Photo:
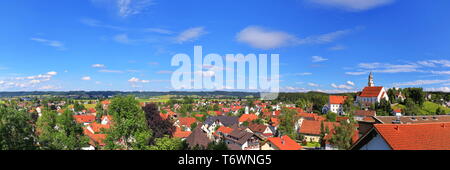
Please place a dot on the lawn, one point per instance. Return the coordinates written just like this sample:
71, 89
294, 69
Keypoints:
312, 145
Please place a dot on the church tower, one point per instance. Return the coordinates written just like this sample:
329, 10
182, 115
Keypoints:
371, 84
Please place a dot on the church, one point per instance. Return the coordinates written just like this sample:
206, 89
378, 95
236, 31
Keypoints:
371, 94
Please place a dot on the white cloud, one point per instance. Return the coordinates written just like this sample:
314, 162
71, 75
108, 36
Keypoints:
122, 38
337, 48
259, 37
48, 87
98, 65
132, 7
190, 34
441, 72
27, 82
57, 44
441, 89
313, 85
324, 38
262, 38
343, 86
350, 83
365, 68
52, 73
421, 82
158, 30
352, 5
303, 74
136, 80
317, 59
86, 78
110, 71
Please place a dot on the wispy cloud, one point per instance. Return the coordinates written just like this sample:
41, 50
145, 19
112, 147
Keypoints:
313, 85
57, 44
158, 30
95, 23
86, 78
350, 83
317, 59
440, 89
98, 65
125, 8
263, 38
190, 34
110, 71
421, 82
342, 86
27, 82
352, 5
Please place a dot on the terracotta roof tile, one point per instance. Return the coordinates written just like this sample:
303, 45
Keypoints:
427, 136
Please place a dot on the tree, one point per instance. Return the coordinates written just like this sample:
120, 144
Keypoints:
217, 146
60, 132
323, 131
417, 95
155, 122
331, 116
348, 106
167, 143
342, 135
129, 129
78, 107
16, 132
288, 119
440, 111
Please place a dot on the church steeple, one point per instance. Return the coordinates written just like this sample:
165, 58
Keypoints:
371, 84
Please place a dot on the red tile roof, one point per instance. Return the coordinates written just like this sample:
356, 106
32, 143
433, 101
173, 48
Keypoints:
338, 99
187, 121
106, 102
426, 136
95, 138
313, 127
275, 121
181, 134
97, 127
284, 143
224, 129
248, 117
371, 91
84, 118
312, 116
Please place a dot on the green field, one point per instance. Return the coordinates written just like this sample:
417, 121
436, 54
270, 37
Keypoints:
428, 108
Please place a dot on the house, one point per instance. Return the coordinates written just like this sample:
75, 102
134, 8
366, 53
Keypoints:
243, 139
336, 104
362, 115
84, 119
198, 138
311, 129
371, 94
213, 122
281, 143
423, 136
412, 119
247, 118
397, 112
262, 130
179, 133
185, 123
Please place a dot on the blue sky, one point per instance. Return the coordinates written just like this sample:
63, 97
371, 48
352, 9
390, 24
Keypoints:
324, 45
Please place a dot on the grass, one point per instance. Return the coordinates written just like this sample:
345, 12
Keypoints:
312, 145
430, 108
